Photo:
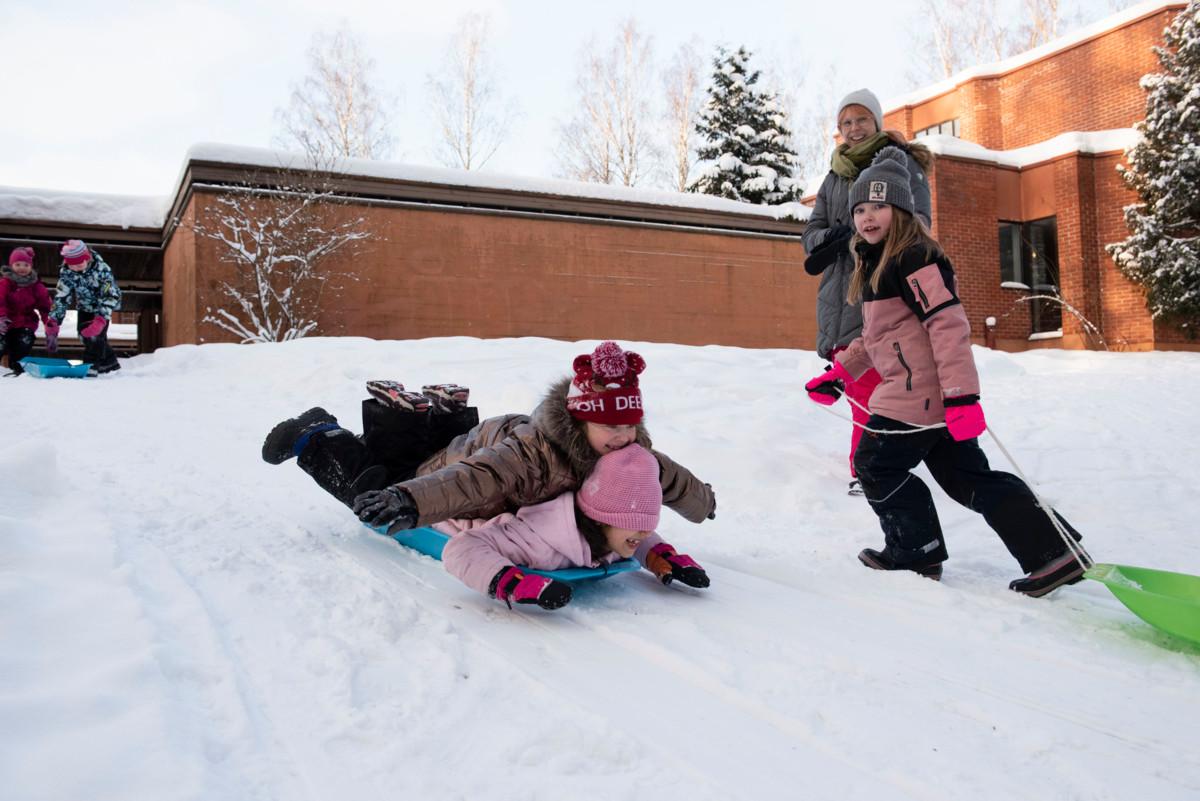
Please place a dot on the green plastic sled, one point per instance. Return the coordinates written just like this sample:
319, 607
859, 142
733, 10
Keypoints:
1167, 601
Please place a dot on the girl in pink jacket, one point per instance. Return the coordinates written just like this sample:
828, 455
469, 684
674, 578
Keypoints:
612, 516
22, 299
916, 335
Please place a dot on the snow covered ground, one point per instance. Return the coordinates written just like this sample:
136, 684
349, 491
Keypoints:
179, 620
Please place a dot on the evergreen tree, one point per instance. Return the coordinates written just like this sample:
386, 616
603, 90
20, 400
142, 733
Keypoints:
1162, 252
748, 146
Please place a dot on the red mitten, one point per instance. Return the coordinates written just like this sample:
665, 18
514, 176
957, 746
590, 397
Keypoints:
94, 328
826, 388
511, 584
964, 417
669, 566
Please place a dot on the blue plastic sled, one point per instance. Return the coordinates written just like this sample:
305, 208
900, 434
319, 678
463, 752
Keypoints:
431, 542
42, 367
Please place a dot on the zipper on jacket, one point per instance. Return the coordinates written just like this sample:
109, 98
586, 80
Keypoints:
916, 285
904, 364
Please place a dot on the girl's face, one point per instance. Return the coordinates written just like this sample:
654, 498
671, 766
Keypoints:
605, 439
80, 267
856, 123
22, 267
622, 541
872, 221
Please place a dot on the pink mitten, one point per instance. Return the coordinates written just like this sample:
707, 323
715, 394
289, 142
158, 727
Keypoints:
670, 566
964, 417
826, 388
94, 328
512, 584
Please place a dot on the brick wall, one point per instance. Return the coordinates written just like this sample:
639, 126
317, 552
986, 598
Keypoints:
1093, 86
447, 273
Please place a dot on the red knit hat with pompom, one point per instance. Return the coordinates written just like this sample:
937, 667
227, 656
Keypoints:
619, 402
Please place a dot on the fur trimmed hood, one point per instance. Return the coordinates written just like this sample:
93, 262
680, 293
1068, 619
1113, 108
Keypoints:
557, 425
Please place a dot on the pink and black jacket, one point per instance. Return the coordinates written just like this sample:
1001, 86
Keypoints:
916, 334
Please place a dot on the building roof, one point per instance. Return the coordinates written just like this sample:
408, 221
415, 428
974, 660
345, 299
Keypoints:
1112, 141
1004, 66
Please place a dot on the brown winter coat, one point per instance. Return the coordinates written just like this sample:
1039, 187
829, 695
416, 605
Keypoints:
516, 460
916, 334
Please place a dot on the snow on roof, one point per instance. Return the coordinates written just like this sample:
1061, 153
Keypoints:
277, 159
996, 68
1117, 139
46, 205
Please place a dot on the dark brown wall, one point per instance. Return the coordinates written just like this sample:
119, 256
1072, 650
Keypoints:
447, 273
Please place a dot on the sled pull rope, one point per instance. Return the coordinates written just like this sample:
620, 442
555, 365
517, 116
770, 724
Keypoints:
1074, 547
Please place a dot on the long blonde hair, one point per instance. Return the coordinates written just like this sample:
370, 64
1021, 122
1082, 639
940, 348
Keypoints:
905, 231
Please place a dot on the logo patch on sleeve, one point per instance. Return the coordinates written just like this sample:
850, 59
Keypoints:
877, 191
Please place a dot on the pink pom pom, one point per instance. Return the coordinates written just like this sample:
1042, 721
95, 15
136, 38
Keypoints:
609, 361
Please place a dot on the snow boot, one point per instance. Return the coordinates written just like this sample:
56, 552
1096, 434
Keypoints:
855, 488
287, 439
393, 395
446, 398
879, 560
1064, 569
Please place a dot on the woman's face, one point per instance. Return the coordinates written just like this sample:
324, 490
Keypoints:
856, 123
605, 439
872, 220
22, 267
622, 541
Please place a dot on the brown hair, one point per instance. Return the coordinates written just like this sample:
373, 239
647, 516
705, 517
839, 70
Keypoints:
920, 154
593, 534
905, 231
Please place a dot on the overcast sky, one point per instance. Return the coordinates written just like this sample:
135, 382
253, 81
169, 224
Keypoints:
107, 97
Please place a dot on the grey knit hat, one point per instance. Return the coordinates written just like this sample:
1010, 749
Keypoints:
865, 98
885, 181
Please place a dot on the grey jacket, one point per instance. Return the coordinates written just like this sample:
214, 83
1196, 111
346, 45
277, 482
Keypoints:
839, 323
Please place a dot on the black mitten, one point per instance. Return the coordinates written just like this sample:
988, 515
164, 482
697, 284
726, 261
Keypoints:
392, 507
512, 584
836, 243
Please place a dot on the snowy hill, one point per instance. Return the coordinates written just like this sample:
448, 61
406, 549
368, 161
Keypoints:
179, 620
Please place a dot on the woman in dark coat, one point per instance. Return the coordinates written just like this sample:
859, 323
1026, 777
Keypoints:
827, 236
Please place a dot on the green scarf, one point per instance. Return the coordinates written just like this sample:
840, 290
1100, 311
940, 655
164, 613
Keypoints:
849, 161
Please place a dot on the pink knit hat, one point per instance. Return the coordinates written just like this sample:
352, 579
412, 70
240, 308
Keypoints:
75, 252
620, 402
623, 490
20, 254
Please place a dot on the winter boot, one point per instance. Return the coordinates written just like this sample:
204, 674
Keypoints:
879, 560
855, 488
1065, 569
446, 398
393, 395
287, 439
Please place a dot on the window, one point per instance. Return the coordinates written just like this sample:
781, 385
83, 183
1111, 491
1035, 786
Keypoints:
948, 128
1029, 261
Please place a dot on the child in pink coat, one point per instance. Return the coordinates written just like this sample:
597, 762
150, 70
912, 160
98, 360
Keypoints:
612, 516
22, 299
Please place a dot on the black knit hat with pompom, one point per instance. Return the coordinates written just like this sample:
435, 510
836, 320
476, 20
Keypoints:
885, 181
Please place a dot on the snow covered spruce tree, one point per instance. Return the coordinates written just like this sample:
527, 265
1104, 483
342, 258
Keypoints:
1162, 252
280, 239
748, 152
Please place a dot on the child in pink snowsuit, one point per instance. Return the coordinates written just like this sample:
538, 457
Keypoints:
22, 299
612, 516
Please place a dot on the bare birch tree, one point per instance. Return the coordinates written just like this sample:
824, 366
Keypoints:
956, 34
279, 242
1042, 22
684, 84
809, 100
336, 110
609, 139
472, 116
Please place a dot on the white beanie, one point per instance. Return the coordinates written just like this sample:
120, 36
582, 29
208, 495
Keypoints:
865, 98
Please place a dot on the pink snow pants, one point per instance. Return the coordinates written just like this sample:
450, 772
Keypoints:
860, 391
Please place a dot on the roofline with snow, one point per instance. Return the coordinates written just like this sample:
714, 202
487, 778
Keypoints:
213, 175
1010, 65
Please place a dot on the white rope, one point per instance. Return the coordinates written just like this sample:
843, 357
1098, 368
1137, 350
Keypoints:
1073, 546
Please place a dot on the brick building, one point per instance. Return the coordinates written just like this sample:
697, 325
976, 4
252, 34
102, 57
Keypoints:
1025, 189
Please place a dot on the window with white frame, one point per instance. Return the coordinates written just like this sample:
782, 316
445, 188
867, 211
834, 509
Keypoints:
947, 128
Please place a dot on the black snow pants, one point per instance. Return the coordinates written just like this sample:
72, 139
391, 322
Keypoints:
393, 445
911, 530
96, 350
16, 343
